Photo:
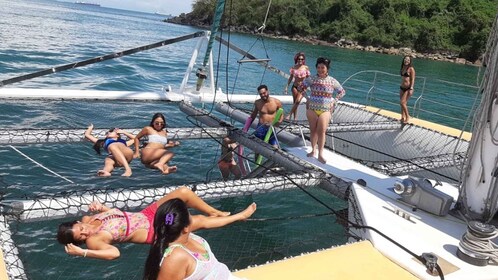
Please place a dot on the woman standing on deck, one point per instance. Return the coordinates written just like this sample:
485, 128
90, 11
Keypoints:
177, 253
155, 154
110, 225
298, 73
320, 104
407, 73
119, 152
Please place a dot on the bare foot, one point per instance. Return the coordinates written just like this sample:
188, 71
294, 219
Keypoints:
103, 173
248, 211
287, 117
322, 159
159, 166
170, 169
311, 154
127, 173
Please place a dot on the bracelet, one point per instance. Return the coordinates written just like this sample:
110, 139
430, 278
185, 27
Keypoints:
84, 254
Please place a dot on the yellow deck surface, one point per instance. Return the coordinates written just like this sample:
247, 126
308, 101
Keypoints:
3, 270
353, 261
436, 127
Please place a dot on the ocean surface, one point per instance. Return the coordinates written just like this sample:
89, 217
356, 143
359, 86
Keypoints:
37, 35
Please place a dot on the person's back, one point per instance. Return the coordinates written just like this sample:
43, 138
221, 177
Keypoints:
206, 267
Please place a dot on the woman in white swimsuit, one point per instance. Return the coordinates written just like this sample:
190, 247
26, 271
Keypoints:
177, 253
155, 154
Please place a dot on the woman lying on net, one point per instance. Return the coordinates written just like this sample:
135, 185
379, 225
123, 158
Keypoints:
119, 153
110, 225
156, 153
177, 253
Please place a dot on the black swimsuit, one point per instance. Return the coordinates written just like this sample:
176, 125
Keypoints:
405, 88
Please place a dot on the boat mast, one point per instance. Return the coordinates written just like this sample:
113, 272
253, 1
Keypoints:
201, 72
479, 192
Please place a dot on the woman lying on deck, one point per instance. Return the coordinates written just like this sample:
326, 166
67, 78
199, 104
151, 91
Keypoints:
111, 225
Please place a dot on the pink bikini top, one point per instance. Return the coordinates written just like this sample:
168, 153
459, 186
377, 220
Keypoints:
300, 73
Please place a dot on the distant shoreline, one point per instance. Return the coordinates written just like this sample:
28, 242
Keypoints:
342, 43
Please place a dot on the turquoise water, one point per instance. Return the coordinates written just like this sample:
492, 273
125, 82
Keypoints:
36, 35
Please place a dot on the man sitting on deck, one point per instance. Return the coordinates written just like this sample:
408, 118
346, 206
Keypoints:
267, 108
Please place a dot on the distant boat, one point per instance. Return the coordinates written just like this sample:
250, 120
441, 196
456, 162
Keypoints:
87, 3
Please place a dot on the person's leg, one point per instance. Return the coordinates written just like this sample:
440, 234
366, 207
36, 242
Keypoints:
312, 119
234, 168
108, 167
224, 169
193, 201
321, 129
401, 105
296, 97
157, 159
260, 132
120, 158
162, 164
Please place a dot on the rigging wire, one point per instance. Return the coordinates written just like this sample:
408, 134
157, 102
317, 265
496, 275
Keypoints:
40, 165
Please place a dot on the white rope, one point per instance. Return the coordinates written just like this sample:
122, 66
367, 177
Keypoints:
483, 246
262, 27
62, 177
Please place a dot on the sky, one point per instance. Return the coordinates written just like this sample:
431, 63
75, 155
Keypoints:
173, 7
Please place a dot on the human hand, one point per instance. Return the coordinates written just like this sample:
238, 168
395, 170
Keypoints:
95, 206
74, 250
136, 155
90, 126
176, 143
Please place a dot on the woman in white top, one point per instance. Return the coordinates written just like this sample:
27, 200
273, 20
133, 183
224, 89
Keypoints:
155, 154
176, 253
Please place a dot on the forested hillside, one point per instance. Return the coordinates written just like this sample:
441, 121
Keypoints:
456, 26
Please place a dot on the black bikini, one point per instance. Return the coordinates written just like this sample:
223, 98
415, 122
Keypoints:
405, 88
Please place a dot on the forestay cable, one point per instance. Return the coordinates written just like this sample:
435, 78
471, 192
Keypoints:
99, 59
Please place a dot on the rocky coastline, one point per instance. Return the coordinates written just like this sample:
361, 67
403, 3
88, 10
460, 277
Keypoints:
183, 19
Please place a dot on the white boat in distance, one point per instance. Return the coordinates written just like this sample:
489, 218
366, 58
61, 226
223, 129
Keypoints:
87, 3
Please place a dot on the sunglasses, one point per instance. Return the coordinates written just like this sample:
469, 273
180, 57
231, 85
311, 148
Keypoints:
300, 59
158, 123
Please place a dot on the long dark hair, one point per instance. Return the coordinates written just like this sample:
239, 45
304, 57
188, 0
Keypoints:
170, 219
158, 115
403, 64
65, 234
100, 143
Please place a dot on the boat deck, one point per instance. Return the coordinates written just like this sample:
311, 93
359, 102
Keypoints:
358, 260
419, 231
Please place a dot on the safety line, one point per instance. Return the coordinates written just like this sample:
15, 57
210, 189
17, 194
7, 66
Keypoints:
23, 154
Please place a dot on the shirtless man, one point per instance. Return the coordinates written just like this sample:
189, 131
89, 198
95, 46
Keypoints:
266, 107
227, 163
